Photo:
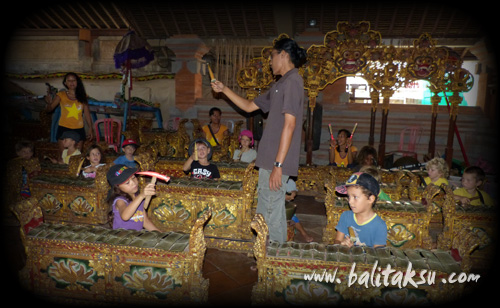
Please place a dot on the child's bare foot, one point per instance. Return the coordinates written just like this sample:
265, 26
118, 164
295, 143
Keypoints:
308, 238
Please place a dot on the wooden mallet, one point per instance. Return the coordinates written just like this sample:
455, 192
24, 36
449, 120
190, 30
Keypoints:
154, 175
212, 77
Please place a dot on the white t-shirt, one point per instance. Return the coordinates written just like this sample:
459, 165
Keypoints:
247, 156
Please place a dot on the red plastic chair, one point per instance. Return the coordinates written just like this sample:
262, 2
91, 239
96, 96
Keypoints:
111, 136
414, 133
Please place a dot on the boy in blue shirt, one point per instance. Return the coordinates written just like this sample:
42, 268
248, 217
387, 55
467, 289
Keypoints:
128, 146
361, 226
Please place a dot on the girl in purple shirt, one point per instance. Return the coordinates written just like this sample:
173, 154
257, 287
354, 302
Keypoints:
127, 200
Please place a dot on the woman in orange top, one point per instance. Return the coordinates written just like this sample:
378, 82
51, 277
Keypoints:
74, 108
342, 153
215, 131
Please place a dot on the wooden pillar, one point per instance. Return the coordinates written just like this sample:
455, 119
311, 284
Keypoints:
374, 95
455, 100
386, 94
309, 136
435, 99
188, 49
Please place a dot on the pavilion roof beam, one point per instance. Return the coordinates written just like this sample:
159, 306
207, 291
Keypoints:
422, 19
259, 20
99, 15
438, 19
230, 20
202, 21
89, 16
52, 19
161, 20
217, 22
70, 17
172, 15
109, 15
245, 23
120, 14
190, 26
146, 19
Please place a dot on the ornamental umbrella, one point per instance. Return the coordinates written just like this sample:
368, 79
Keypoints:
132, 52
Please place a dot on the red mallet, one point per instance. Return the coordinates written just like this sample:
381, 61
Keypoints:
154, 175
352, 133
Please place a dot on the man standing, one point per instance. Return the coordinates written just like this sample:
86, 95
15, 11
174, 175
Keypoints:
279, 148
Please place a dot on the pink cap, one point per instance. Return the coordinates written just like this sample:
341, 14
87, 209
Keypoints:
247, 133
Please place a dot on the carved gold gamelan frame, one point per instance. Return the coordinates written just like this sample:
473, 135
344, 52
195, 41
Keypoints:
353, 49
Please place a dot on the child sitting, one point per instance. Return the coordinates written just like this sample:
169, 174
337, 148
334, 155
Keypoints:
69, 139
127, 201
469, 193
198, 163
437, 171
342, 153
245, 153
24, 151
291, 193
128, 147
361, 226
367, 156
94, 156
375, 172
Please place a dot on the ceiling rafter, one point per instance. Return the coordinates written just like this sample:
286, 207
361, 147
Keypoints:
188, 20
393, 20
245, 23
259, 22
165, 30
99, 15
408, 21
118, 11
88, 16
52, 19
450, 22
42, 21
219, 28
70, 17
172, 16
454, 26
60, 19
146, 19
80, 17
202, 22
109, 15
230, 20
437, 20
422, 19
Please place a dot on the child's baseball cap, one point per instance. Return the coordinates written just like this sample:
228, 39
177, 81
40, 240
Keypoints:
119, 174
130, 142
71, 134
209, 146
362, 179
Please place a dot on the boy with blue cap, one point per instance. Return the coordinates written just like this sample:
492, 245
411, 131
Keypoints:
361, 226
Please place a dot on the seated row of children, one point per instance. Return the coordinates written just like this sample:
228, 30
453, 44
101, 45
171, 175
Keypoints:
343, 154
472, 180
